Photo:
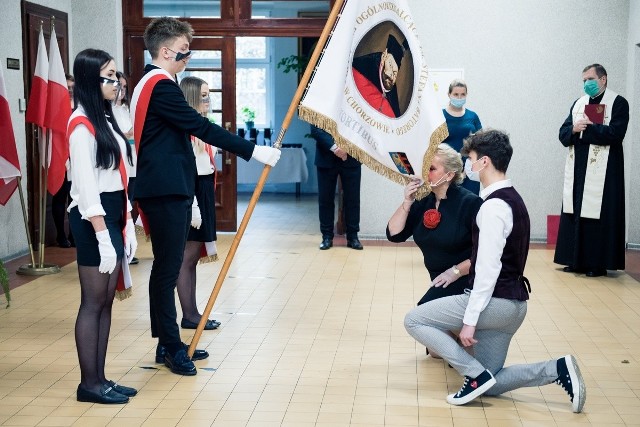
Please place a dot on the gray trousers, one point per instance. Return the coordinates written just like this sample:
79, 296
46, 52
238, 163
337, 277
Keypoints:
498, 322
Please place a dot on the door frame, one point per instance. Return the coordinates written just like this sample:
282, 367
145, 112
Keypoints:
32, 15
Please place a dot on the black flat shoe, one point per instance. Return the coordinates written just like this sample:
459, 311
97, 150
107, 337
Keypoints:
161, 352
210, 325
106, 395
180, 363
326, 244
134, 261
123, 390
596, 273
354, 244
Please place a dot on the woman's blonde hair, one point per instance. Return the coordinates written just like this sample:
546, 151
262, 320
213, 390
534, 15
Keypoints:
191, 87
451, 161
457, 83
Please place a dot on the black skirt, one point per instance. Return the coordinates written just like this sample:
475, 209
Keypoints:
206, 203
84, 235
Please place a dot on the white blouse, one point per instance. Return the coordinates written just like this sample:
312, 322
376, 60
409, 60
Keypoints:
123, 118
203, 161
87, 181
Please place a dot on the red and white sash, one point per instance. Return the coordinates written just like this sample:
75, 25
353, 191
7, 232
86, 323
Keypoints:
123, 288
138, 110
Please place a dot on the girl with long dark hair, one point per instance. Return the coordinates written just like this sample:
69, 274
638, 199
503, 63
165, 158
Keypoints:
100, 218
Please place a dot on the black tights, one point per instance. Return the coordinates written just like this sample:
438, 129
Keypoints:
186, 283
94, 323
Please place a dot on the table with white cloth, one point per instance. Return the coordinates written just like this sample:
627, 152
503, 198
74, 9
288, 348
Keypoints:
291, 168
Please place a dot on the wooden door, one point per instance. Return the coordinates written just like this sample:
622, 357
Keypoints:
214, 62
33, 17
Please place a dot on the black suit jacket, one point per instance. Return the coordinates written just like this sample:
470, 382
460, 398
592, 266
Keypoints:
324, 156
166, 164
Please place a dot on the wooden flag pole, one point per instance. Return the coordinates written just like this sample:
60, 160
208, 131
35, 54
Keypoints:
26, 223
333, 16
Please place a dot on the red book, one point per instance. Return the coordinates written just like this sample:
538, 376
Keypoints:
595, 112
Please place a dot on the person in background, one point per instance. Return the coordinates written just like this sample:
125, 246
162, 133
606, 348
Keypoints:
60, 200
440, 225
591, 235
461, 123
167, 174
99, 215
492, 311
123, 117
203, 219
333, 162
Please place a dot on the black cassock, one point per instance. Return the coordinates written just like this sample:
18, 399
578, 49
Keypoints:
596, 244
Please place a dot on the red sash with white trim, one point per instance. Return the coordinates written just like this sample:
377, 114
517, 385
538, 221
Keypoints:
123, 288
139, 108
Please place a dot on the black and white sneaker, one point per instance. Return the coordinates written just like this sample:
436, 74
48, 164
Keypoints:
570, 378
472, 388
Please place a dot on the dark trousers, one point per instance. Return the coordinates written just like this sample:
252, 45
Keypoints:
59, 203
327, 180
169, 219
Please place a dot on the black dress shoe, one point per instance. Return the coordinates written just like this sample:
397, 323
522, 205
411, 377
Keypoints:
596, 273
354, 244
570, 269
210, 325
161, 352
134, 261
64, 243
106, 395
326, 243
123, 390
180, 363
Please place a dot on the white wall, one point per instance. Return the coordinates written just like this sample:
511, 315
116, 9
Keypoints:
523, 63
632, 143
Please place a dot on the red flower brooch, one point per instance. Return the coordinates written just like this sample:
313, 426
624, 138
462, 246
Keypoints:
431, 218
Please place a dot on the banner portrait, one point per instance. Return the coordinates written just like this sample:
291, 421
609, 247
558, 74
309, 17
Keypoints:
371, 91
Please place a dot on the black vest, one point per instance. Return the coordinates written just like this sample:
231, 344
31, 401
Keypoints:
511, 284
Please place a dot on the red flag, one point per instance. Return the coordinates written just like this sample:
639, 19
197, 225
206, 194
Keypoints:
38, 97
57, 117
9, 164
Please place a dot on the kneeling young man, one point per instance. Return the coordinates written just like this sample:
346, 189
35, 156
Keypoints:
489, 314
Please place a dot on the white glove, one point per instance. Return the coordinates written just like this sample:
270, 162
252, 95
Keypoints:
196, 218
267, 155
108, 257
445, 278
130, 243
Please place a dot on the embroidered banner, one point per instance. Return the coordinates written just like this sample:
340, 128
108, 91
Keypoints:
371, 91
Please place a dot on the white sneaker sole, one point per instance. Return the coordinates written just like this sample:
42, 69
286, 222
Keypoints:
577, 382
453, 400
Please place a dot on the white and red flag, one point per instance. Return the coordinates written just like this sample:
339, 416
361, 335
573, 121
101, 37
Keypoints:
9, 164
38, 98
371, 91
57, 116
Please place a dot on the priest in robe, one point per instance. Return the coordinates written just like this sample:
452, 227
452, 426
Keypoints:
591, 237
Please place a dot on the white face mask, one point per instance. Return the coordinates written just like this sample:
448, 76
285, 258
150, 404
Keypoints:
468, 166
442, 179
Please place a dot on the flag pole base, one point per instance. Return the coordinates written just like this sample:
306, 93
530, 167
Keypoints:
31, 270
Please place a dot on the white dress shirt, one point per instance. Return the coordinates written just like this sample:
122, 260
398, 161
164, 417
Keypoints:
495, 221
87, 181
123, 118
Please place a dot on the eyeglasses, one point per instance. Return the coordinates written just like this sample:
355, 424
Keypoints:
205, 99
180, 55
106, 81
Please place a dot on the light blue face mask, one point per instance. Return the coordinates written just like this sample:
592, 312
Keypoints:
458, 102
591, 87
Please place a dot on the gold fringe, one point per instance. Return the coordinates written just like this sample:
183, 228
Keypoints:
329, 125
208, 258
122, 295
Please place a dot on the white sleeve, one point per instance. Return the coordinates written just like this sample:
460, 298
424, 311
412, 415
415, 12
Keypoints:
495, 220
82, 153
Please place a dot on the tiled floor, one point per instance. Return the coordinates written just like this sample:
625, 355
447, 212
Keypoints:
316, 338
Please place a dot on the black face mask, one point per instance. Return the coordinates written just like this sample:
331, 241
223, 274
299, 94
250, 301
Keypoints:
180, 56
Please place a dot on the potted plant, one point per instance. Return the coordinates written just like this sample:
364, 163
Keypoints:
248, 115
4, 282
